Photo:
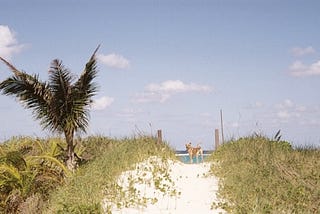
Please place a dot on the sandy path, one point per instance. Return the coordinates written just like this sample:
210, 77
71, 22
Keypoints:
197, 191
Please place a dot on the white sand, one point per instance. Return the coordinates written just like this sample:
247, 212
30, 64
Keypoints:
188, 188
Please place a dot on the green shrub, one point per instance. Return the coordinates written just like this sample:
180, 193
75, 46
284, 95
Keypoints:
29, 170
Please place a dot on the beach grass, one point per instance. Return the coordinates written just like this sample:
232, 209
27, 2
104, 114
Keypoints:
259, 175
85, 191
34, 178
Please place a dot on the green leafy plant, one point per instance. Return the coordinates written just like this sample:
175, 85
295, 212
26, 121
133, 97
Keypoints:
28, 173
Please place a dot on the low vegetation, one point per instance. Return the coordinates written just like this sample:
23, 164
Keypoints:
34, 178
29, 170
85, 191
259, 175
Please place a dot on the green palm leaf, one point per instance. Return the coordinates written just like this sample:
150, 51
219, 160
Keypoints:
10, 176
29, 90
61, 104
83, 91
34, 160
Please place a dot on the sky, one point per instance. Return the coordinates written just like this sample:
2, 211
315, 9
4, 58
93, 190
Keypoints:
173, 65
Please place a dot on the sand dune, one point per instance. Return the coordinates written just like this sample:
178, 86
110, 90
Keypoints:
177, 188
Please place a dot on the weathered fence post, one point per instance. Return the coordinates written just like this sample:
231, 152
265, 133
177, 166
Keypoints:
216, 138
159, 136
222, 136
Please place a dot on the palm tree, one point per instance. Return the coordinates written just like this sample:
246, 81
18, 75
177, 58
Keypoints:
61, 104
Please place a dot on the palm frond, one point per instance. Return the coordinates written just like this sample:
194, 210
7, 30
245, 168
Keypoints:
11, 175
33, 93
94, 52
50, 159
84, 86
14, 158
39, 144
61, 105
28, 89
12, 68
60, 78
82, 92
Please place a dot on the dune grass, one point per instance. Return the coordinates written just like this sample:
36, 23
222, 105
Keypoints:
85, 191
34, 179
259, 175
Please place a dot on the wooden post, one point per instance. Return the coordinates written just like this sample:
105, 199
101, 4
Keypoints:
159, 136
222, 136
216, 138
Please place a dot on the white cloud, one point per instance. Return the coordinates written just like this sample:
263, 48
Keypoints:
161, 92
102, 103
287, 110
146, 97
8, 43
286, 114
298, 69
283, 114
298, 51
177, 86
287, 103
114, 61
301, 109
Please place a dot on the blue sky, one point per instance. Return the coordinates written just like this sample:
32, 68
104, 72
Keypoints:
172, 65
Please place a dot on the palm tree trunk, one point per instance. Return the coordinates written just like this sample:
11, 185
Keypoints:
71, 161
